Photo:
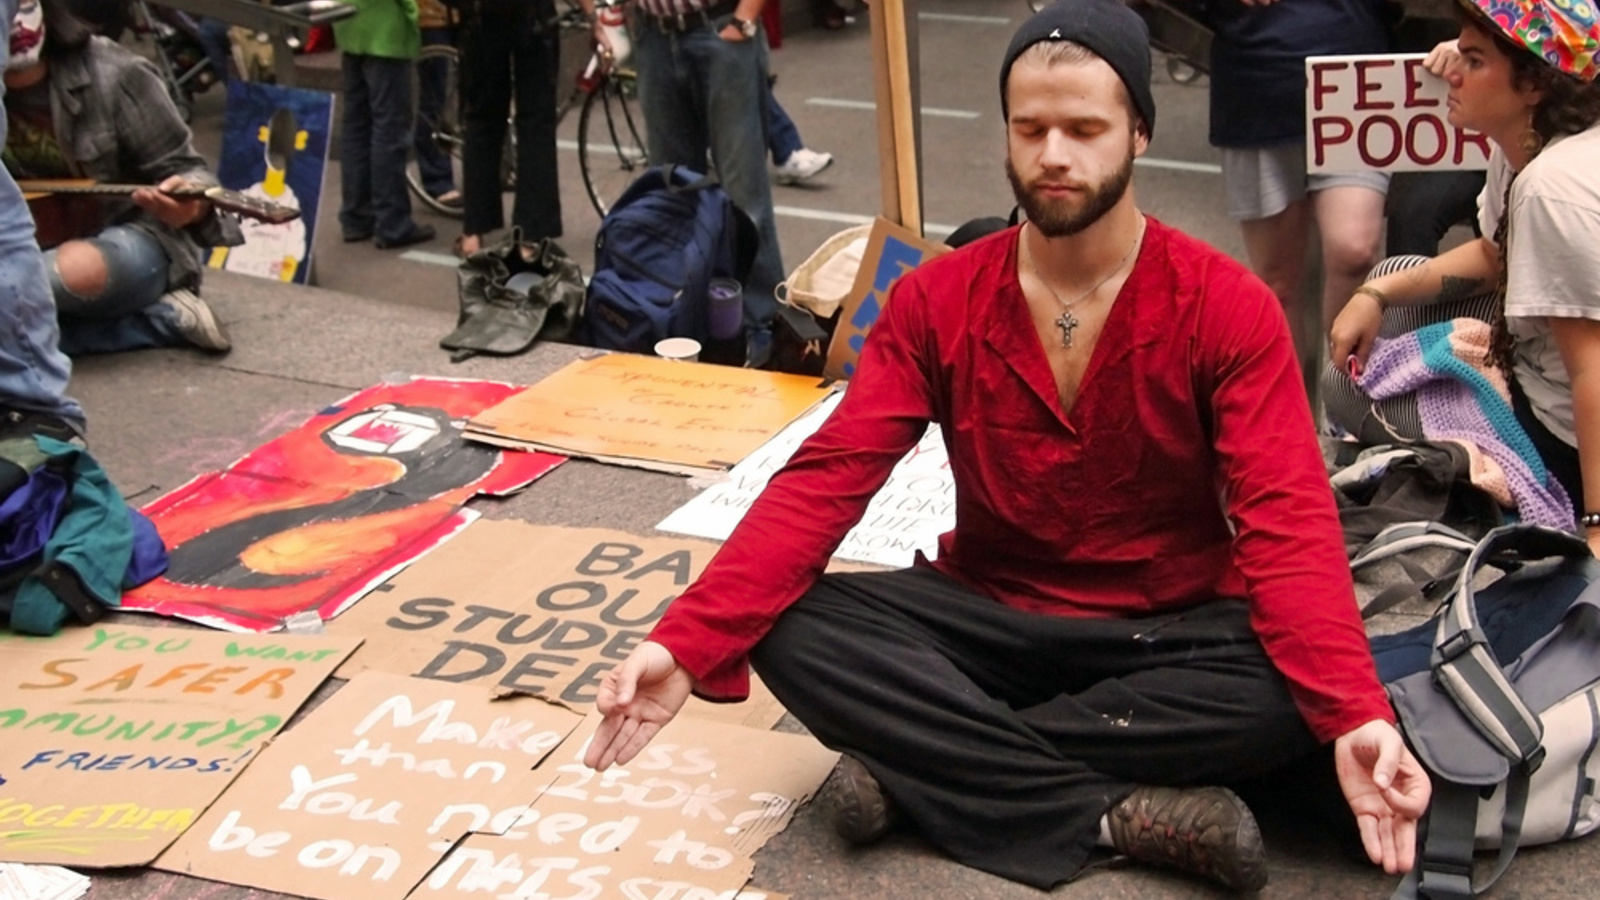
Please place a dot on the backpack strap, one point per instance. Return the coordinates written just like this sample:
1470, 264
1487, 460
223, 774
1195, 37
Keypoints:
1464, 664
1399, 539
1445, 852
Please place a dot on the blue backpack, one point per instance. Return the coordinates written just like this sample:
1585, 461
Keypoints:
671, 232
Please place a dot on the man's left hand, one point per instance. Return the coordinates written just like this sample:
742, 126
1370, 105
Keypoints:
172, 211
1386, 788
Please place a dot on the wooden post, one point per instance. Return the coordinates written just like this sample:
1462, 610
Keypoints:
896, 89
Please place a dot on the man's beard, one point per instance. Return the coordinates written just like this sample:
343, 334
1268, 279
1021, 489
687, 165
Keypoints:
1059, 220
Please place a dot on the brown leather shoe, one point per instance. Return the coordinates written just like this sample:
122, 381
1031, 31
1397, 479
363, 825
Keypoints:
1206, 831
862, 812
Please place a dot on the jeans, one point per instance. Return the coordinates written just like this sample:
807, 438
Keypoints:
433, 163
128, 314
783, 138
702, 93
377, 138
502, 49
33, 370
213, 37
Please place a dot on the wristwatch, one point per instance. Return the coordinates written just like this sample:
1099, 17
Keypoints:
746, 28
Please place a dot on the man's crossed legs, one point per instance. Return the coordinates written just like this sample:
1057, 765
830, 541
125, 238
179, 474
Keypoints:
1006, 736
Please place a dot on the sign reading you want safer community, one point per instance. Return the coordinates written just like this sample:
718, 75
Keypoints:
1385, 113
113, 739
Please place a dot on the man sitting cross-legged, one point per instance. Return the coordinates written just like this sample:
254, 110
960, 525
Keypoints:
1145, 597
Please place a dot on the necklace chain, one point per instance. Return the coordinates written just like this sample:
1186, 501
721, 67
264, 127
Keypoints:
1068, 322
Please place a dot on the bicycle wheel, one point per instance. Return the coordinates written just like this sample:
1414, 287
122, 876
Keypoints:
611, 146
438, 116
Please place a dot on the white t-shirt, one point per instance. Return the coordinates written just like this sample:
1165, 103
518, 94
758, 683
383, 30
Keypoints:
1553, 268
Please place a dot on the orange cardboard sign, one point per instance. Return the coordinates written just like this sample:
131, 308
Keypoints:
114, 738
672, 416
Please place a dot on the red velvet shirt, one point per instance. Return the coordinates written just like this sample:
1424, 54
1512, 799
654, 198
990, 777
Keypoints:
1188, 469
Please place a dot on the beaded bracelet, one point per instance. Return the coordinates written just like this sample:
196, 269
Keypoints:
1374, 293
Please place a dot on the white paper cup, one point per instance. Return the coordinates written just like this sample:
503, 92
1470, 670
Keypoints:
680, 349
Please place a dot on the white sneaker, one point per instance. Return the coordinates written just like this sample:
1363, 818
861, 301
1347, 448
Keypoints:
195, 321
801, 165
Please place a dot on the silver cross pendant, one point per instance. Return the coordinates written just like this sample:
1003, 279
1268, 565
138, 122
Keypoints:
1067, 322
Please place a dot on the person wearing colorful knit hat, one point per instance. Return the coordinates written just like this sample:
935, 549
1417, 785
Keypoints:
1523, 73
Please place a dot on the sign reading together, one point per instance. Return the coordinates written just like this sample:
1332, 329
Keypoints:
114, 738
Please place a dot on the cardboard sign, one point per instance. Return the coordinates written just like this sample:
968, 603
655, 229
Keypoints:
680, 821
671, 416
537, 609
1383, 113
367, 793
114, 738
891, 252
275, 143
313, 519
907, 515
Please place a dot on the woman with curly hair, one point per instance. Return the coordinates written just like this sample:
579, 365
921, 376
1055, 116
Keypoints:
1523, 73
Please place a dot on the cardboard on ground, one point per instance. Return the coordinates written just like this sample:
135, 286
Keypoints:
536, 609
114, 738
650, 413
907, 515
680, 820
366, 794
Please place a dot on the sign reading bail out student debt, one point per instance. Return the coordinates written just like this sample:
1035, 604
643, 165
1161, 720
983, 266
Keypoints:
533, 609
114, 738
1385, 113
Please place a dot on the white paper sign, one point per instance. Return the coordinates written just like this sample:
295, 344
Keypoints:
1383, 113
916, 506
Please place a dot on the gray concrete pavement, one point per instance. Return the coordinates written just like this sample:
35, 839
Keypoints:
159, 418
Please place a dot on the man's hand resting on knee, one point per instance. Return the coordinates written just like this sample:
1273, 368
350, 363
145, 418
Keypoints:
638, 699
1386, 788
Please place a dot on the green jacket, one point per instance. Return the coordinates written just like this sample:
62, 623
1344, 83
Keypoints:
386, 28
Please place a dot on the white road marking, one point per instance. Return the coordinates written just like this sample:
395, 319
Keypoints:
838, 103
964, 20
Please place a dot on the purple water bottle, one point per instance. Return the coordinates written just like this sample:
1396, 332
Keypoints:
726, 308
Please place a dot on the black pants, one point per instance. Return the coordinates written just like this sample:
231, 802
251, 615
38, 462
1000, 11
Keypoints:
502, 44
1005, 736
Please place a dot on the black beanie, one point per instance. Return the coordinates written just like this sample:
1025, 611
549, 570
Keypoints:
1108, 27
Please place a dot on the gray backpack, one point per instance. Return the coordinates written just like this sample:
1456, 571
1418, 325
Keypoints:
1505, 714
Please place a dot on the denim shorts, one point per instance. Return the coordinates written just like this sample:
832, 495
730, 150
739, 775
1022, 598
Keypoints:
136, 275
1264, 181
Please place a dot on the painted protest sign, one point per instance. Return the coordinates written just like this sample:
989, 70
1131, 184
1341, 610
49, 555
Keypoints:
908, 514
1383, 113
366, 794
275, 148
113, 739
650, 413
313, 519
891, 251
679, 822
536, 609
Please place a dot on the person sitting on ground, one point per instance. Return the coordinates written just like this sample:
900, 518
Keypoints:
125, 274
33, 386
1524, 76
1145, 597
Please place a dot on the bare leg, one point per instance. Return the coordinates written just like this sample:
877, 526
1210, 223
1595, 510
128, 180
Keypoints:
1350, 220
1276, 247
